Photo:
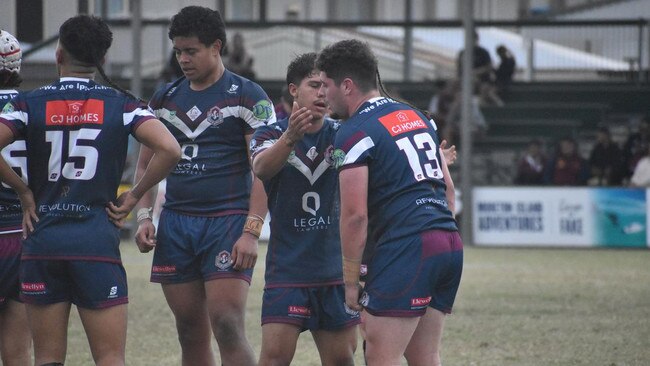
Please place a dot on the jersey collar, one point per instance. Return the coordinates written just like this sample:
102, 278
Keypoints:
70, 78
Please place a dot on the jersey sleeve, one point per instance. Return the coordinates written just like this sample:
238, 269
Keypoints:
15, 115
256, 108
352, 147
135, 113
265, 137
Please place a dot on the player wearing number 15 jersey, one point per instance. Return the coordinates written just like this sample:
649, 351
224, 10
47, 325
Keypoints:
393, 182
76, 133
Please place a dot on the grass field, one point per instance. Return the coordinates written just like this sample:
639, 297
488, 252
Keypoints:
514, 307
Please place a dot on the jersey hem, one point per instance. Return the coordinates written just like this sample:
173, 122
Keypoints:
29, 257
303, 285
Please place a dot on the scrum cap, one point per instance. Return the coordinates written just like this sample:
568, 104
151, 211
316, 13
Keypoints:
10, 53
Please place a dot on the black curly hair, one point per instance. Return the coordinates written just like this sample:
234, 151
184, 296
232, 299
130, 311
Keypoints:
87, 38
10, 79
301, 67
352, 59
204, 23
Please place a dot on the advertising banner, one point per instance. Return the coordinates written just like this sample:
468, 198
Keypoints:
562, 217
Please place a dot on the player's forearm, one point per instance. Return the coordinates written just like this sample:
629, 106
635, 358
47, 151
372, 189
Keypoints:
144, 158
258, 204
353, 241
9, 176
162, 162
450, 192
269, 162
256, 210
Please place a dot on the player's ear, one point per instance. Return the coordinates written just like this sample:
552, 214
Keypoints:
347, 84
59, 55
293, 90
217, 45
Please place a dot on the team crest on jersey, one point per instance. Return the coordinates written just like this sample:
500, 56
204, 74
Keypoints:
215, 116
312, 153
338, 157
252, 145
8, 108
328, 156
262, 110
233, 89
194, 113
223, 261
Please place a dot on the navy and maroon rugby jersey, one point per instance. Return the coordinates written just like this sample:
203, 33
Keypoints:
406, 188
304, 246
76, 134
213, 177
15, 155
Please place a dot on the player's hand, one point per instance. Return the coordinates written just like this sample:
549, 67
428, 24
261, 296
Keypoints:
29, 212
117, 212
145, 236
352, 292
449, 152
299, 122
244, 252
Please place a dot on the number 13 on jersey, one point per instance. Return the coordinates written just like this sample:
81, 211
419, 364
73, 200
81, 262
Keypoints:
425, 168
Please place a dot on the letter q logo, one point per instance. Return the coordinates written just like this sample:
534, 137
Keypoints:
308, 198
189, 151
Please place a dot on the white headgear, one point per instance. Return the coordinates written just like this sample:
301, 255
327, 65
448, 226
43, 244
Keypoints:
10, 53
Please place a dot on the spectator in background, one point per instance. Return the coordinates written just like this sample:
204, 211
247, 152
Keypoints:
483, 74
530, 169
283, 108
170, 72
636, 146
443, 101
238, 60
173, 69
641, 175
566, 167
506, 69
605, 160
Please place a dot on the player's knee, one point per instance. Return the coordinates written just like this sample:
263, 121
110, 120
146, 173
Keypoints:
340, 360
275, 359
227, 330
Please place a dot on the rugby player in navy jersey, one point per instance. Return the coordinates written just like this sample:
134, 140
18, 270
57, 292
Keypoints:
394, 194
77, 132
304, 280
15, 339
206, 244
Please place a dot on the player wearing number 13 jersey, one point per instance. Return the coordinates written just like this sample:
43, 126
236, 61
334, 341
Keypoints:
393, 183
